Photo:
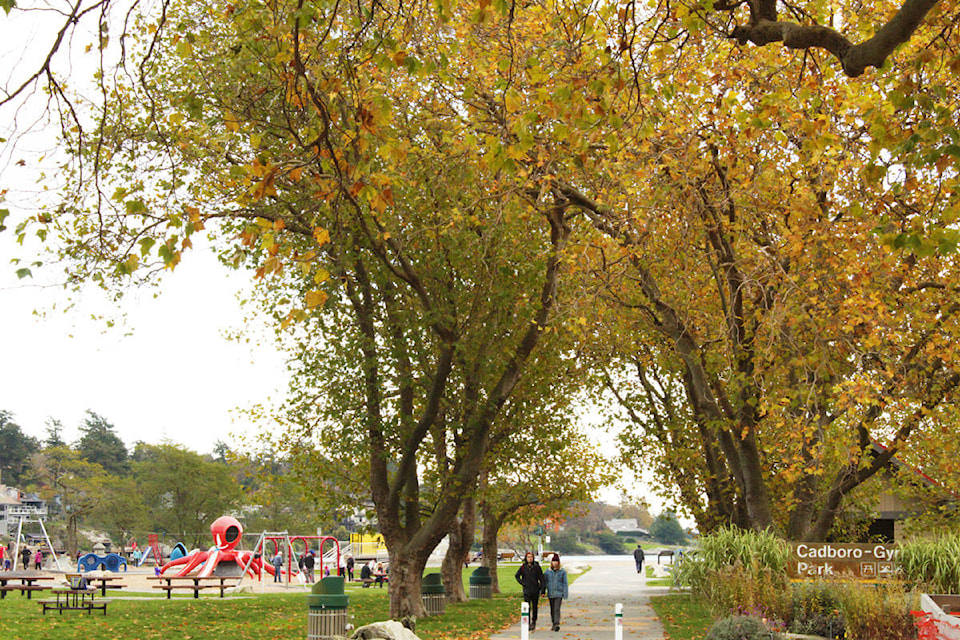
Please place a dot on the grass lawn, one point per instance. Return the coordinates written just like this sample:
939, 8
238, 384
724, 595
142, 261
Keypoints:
657, 582
258, 617
684, 616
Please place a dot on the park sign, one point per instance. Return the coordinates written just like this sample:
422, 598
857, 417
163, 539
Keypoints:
828, 559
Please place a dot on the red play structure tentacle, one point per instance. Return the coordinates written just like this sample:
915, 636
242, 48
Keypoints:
195, 559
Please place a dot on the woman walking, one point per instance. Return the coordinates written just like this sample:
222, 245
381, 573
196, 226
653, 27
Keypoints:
530, 577
557, 590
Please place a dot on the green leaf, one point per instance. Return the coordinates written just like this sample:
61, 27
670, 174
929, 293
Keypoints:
24, 273
8, 5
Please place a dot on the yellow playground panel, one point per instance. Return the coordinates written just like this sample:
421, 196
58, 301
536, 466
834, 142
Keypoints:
367, 544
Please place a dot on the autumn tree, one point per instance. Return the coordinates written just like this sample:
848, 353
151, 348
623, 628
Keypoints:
76, 485
768, 334
183, 491
382, 174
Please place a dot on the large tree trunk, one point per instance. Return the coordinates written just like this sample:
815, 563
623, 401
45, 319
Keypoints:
73, 544
406, 579
491, 529
461, 539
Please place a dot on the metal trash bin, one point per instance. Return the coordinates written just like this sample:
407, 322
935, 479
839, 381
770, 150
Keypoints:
327, 609
481, 584
434, 595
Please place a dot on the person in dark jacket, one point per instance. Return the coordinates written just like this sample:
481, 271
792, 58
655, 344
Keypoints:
350, 564
638, 558
530, 577
309, 562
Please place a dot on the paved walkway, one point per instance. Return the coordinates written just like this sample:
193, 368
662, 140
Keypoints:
589, 613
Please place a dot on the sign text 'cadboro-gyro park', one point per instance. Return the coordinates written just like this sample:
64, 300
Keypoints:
826, 559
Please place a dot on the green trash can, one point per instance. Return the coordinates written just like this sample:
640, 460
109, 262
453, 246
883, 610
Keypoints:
481, 584
327, 609
434, 595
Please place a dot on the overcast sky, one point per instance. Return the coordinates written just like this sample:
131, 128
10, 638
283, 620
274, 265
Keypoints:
166, 371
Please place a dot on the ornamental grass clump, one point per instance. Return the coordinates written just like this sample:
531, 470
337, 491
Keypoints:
738, 570
932, 564
753, 551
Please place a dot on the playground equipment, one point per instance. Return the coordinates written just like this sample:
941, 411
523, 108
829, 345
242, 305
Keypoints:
227, 533
179, 551
284, 543
152, 549
110, 562
16, 550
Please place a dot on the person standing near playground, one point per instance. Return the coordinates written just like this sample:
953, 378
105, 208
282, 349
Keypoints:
308, 564
25, 558
38, 560
277, 562
530, 577
638, 557
557, 589
350, 564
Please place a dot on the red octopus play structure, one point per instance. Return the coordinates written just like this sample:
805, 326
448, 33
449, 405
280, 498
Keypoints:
227, 533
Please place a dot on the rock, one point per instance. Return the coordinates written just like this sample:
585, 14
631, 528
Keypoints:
244, 588
387, 630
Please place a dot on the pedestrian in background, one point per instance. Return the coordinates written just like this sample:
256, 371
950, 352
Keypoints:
555, 579
308, 564
530, 577
638, 557
277, 563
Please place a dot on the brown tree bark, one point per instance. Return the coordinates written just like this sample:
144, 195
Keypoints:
461, 539
491, 530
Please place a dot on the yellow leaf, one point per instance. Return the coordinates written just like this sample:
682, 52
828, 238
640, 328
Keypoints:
315, 298
231, 121
321, 236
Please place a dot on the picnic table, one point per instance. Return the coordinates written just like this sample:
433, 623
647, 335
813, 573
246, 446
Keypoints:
104, 583
25, 582
68, 599
194, 583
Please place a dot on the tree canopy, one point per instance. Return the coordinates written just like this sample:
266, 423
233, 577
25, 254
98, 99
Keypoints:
754, 251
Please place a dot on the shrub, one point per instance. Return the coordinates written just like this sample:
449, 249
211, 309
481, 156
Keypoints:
567, 544
877, 612
816, 610
740, 628
763, 592
610, 543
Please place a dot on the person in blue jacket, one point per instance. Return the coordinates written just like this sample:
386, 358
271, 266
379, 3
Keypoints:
555, 580
530, 577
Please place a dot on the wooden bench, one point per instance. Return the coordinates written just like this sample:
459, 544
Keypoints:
196, 588
24, 588
193, 583
368, 581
